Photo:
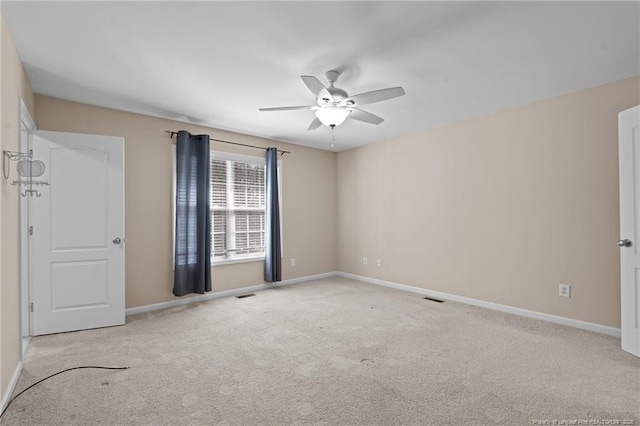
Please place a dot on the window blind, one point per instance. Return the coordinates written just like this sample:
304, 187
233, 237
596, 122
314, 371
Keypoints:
238, 208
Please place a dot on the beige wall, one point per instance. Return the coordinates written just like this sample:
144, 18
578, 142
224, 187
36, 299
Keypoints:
14, 84
500, 208
308, 201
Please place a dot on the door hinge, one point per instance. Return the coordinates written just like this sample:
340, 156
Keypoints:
31, 230
31, 306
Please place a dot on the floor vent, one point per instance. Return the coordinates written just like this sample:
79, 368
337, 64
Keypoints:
242, 296
433, 300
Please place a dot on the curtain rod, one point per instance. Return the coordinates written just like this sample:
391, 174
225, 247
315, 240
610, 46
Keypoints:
171, 134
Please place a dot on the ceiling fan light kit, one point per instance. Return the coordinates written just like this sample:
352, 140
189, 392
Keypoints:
332, 115
334, 105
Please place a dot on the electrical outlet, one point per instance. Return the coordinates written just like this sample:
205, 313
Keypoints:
293, 261
365, 261
379, 263
565, 290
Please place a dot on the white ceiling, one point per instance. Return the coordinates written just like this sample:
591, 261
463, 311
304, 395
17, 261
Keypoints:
216, 63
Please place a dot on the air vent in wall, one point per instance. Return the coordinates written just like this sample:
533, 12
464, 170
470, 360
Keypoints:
242, 296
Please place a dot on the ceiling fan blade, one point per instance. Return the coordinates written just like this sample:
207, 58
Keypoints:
367, 117
375, 96
315, 124
316, 87
291, 108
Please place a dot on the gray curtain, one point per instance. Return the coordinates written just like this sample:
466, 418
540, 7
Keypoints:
272, 252
193, 219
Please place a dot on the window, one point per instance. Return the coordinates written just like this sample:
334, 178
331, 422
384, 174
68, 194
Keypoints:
237, 207
237, 198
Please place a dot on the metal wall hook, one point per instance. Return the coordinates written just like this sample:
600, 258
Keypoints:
28, 171
31, 192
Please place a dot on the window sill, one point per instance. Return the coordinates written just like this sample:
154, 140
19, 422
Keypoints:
215, 263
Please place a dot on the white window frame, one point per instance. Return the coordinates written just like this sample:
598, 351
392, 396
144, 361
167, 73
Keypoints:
227, 156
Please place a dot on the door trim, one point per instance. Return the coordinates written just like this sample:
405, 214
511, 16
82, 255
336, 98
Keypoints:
25, 122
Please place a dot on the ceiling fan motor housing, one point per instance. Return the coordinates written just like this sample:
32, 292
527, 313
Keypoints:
338, 94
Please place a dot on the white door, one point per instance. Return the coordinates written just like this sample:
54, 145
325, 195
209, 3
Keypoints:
77, 245
629, 153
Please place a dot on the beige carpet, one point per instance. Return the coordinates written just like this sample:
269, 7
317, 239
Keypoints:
333, 351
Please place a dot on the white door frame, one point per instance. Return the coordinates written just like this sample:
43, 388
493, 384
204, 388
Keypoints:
27, 124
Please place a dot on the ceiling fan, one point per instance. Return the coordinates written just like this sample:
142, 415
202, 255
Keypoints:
334, 105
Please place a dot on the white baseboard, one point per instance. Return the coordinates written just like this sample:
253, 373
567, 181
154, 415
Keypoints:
584, 325
603, 329
6, 396
25, 344
305, 279
227, 293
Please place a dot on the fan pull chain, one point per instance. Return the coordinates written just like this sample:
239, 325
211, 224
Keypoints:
333, 134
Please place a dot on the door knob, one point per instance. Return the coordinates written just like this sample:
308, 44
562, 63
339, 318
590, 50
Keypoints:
117, 240
625, 243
